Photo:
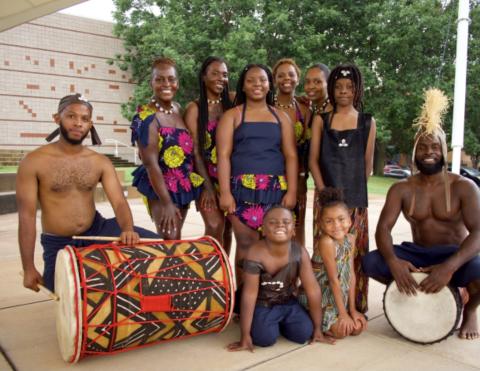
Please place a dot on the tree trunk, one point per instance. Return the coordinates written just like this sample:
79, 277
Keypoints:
379, 158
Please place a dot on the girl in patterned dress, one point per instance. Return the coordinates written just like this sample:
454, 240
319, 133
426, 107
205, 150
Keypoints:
286, 76
341, 156
166, 177
202, 117
332, 262
257, 159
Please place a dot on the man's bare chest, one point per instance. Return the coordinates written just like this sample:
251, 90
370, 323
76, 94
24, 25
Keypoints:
66, 175
430, 204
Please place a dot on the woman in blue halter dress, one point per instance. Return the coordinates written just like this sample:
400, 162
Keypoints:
257, 159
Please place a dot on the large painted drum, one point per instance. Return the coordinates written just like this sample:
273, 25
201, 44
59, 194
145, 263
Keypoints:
422, 318
116, 297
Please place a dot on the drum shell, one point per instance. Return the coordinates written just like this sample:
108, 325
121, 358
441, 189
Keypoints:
131, 296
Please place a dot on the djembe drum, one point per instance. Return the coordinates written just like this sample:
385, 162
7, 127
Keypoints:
422, 318
116, 297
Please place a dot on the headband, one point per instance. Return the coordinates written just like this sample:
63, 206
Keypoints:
75, 99
344, 73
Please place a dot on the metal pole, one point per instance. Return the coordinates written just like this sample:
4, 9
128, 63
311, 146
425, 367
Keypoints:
116, 148
460, 85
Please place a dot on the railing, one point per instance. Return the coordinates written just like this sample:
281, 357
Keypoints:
133, 150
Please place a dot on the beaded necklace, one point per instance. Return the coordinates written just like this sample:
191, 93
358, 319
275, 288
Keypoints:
167, 111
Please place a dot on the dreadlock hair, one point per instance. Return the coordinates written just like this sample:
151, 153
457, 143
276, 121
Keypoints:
289, 61
164, 61
351, 72
330, 197
321, 67
240, 96
203, 102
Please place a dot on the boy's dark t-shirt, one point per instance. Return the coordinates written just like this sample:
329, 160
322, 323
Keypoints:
281, 287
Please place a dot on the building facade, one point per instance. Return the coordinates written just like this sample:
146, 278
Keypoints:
50, 57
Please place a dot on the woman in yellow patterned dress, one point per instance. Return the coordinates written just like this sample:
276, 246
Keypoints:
166, 177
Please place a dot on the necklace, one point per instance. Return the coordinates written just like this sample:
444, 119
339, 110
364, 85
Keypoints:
317, 111
167, 111
214, 101
284, 106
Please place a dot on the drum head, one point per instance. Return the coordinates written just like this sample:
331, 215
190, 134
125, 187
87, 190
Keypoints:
68, 308
422, 318
231, 280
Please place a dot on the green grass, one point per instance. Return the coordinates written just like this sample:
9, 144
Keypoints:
127, 179
8, 169
377, 185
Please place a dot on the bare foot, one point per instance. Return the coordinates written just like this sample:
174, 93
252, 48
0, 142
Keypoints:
469, 327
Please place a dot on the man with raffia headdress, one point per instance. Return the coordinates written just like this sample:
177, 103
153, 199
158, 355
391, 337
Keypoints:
443, 211
62, 177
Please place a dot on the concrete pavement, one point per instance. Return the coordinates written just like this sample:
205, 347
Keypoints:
28, 339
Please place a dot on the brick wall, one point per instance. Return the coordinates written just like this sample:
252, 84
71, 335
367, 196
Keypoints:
47, 58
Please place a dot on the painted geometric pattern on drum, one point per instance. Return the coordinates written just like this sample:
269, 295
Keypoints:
115, 278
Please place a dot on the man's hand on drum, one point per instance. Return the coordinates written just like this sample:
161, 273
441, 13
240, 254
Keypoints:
129, 237
31, 279
244, 344
439, 276
401, 273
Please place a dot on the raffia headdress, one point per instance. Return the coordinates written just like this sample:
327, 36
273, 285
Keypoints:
429, 123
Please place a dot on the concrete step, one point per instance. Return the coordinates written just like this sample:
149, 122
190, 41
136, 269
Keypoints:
119, 162
11, 155
13, 158
7, 182
8, 203
9, 163
9, 151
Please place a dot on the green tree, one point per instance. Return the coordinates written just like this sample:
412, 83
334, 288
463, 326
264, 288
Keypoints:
402, 47
472, 109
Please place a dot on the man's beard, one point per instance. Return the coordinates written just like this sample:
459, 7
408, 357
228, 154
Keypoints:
430, 169
64, 134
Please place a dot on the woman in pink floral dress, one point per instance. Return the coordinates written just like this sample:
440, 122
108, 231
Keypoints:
257, 157
166, 177
202, 117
